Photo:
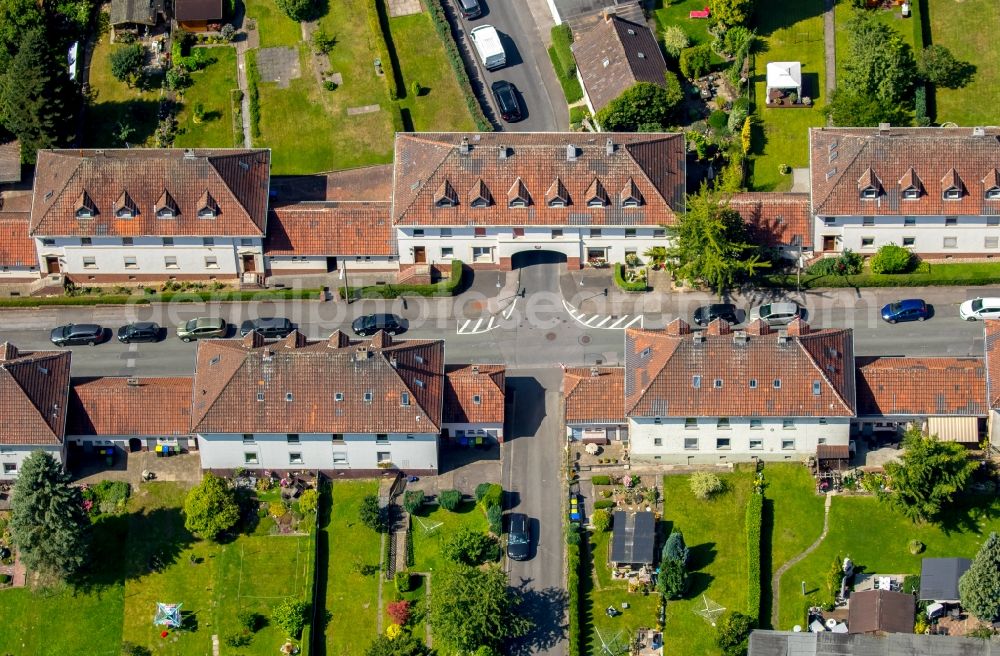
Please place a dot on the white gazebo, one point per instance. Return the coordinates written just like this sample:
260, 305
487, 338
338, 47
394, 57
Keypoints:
784, 76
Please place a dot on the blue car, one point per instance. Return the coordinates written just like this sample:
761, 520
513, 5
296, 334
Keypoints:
912, 309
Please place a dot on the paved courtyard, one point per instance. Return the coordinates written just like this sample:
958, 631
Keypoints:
279, 65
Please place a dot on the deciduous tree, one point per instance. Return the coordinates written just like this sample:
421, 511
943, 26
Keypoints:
404, 644
210, 508
696, 61
644, 103
879, 63
373, 516
299, 10
979, 587
127, 62
928, 476
48, 523
473, 607
850, 108
938, 66
733, 633
711, 244
470, 547
731, 12
675, 39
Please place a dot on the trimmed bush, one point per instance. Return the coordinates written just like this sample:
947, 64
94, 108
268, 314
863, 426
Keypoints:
705, 484
494, 515
923, 119
253, 95
578, 114
449, 499
443, 28
470, 547
601, 519
482, 490
491, 495
403, 581
573, 587
624, 285
412, 500
718, 120
915, 547
754, 519
290, 616
378, 26
562, 44
891, 258
696, 61
443, 288
570, 85
604, 504
601, 479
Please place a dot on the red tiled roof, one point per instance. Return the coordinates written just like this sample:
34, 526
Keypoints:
330, 228
236, 181
843, 160
673, 373
111, 406
495, 160
465, 382
991, 329
34, 387
921, 386
231, 373
594, 394
10, 161
776, 219
614, 55
365, 183
17, 249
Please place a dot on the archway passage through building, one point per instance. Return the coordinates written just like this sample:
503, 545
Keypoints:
535, 257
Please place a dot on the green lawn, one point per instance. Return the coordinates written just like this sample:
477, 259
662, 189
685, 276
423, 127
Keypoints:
791, 32
949, 274
351, 598
963, 28
677, 13
275, 28
113, 103
875, 538
211, 87
428, 537
422, 59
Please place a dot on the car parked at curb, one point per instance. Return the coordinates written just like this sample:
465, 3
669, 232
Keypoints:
518, 537
505, 96
77, 334
706, 314
776, 314
271, 328
202, 328
369, 324
140, 331
910, 309
470, 9
977, 309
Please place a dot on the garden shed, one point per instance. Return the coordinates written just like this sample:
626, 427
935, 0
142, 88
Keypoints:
782, 78
939, 579
881, 611
633, 540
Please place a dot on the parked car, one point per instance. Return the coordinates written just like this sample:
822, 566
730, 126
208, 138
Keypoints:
470, 9
910, 309
776, 314
505, 96
370, 324
140, 331
272, 328
979, 309
518, 537
76, 334
706, 314
202, 328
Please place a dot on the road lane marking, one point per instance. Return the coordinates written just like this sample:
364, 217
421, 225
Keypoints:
604, 321
617, 323
630, 323
599, 320
465, 325
489, 326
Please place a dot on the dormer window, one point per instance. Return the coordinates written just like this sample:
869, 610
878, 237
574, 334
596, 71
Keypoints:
952, 194
165, 213
911, 194
869, 186
557, 196
630, 196
951, 186
479, 195
518, 195
125, 207
993, 194
445, 196
85, 208
165, 207
869, 193
125, 213
991, 184
596, 195
910, 185
207, 207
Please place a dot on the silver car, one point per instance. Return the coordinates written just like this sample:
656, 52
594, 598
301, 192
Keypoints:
776, 314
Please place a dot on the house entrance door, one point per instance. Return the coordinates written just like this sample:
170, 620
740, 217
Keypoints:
419, 255
249, 263
51, 264
829, 242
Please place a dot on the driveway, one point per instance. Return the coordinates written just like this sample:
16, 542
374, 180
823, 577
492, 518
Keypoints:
525, 37
532, 457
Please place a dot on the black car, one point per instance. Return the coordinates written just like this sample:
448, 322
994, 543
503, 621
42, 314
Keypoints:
470, 9
372, 323
77, 334
141, 331
705, 314
518, 537
272, 328
505, 95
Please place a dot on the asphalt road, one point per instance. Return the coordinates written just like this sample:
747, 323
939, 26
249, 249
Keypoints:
528, 66
531, 457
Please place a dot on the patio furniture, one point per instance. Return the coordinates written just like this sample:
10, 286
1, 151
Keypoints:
704, 13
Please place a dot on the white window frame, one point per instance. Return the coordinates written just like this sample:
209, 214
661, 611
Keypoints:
251, 458
89, 262
170, 262
953, 242
211, 262
131, 261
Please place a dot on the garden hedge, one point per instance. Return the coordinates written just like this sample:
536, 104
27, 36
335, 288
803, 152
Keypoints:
932, 275
573, 562
601, 479
163, 297
570, 85
378, 25
754, 518
604, 504
253, 94
625, 285
562, 45
443, 28
443, 288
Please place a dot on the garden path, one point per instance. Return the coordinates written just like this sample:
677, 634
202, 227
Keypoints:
246, 39
830, 47
776, 579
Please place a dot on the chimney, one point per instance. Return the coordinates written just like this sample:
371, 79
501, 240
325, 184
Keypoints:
189, 153
594, 372
719, 327
132, 381
571, 153
606, 15
883, 128
979, 131
677, 327
362, 353
798, 327
253, 339
381, 339
609, 147
268, 354
782, 338
698, 338
338, 339
7, 352
464, 147
505, 152
475, 369
758, 327
740, 338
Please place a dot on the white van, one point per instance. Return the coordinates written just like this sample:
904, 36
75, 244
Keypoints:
979, 309
487, 42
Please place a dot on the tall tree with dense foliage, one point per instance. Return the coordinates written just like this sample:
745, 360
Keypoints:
979, 587
127, 61
675, 548
210, 508
473, 607
696, 61
642, 104
48, 523
731, 12
848, 108
928, 476
879, 63
299, 10
36, 96
938, 66
711, 244
733, 633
